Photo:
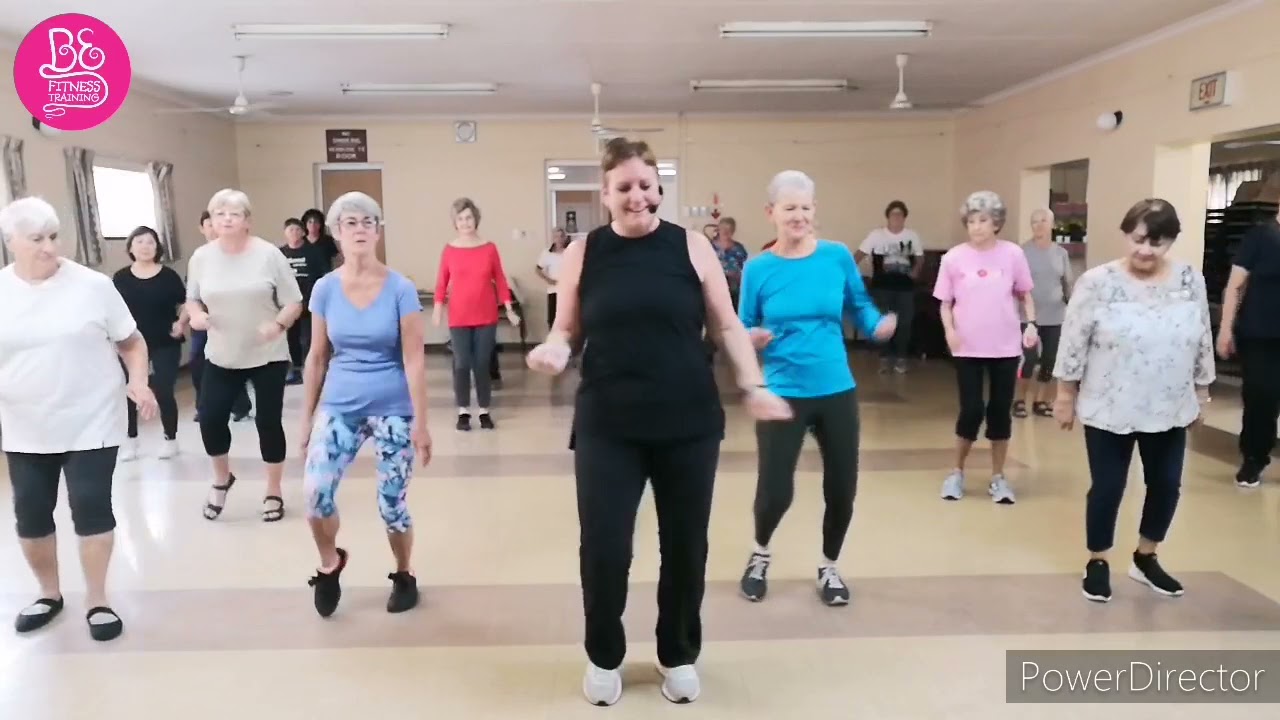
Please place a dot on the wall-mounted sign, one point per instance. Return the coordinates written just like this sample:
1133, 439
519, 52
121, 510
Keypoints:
1211, 91
347, 146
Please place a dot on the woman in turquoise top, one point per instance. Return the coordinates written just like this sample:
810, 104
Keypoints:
794, 299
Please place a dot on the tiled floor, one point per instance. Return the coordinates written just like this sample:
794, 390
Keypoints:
220, 622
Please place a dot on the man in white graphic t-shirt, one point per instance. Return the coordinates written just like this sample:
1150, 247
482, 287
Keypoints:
897, 255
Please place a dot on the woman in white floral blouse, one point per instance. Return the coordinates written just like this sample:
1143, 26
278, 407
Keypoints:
1134, 367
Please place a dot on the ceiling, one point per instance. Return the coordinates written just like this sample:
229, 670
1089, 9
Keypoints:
546, 53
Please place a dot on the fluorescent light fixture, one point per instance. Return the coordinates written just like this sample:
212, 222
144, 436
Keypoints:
667, 164
871, 29
769, 85
552, 170
555, 176
419, 89
666, 172
430, 31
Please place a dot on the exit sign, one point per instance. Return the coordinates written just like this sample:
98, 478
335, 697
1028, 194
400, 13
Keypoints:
1211, 91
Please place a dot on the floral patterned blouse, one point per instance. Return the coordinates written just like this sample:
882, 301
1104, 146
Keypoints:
1137, 349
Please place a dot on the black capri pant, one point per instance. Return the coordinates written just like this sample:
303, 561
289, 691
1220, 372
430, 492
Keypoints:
994, 403
219, 390
1043, 355
35, 480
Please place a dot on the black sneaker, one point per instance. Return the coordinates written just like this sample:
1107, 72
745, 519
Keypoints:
831, 587
486, 422
1097, 581
464, 421
1250, 474
755, 581
328, 589
1148, 572
404, 592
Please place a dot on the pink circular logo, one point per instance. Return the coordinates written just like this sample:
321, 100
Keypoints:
72, 72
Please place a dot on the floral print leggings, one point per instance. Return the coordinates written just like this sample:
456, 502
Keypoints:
334, 443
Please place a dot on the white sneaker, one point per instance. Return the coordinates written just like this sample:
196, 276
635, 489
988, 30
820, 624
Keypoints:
128, 450
601, 687
1000, 490
168, 448
953, 486
680, 684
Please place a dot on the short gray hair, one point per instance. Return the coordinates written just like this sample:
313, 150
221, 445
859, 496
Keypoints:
986, 203
354, 203
28, 216
230, 198
791, 180
1046, 212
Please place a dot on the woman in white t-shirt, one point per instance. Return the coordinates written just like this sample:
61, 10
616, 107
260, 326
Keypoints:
549, 270
63, 328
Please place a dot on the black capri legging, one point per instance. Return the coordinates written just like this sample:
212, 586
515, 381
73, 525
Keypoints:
1043, 355
994, 405
35, 480
219, 390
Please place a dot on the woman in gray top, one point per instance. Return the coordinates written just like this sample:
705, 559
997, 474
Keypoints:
1135, 366
1051, 273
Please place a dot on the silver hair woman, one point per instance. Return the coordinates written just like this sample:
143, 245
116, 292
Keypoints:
63, 330
1052, 278
981, 284
241, 289
365, 379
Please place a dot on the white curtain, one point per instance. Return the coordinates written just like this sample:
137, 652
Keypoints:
1224, 182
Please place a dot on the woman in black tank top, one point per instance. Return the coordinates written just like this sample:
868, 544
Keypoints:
638, 293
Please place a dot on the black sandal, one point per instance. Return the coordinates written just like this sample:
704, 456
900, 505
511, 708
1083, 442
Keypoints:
211, 511
273, 514
30, 622
1043, 409
103, 632
1019, 408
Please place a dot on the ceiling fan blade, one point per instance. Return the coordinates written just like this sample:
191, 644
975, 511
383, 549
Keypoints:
187, 111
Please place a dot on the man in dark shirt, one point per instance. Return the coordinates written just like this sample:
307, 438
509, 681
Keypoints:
1254, 334
308, 262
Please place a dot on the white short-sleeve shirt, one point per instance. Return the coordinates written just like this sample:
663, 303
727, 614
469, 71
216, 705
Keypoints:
62, 387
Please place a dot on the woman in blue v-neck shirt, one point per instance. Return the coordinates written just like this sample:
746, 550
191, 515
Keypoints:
794, 299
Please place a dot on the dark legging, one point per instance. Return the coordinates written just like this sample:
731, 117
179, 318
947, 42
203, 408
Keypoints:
1109, 457
299, 337
995, 404
164, 377
611, 477
1260, 373
222, 385
472, 357
199, 338
1043, 355
834, 422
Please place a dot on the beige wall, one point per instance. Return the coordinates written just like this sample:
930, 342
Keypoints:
859, 166
1055, 123
201, 148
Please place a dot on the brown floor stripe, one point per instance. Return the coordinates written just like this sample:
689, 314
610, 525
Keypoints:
239, 620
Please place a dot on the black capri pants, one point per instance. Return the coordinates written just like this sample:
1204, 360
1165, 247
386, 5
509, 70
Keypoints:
219, 391
35, 478
994, 403
1043, 355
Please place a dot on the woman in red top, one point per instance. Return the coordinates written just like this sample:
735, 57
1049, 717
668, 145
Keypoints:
473, 283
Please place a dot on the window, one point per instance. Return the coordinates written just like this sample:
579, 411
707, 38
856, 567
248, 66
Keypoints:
126, 199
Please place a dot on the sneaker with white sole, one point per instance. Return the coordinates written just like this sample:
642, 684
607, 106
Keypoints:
831, 587
680, 684
128, 450
1000, 491
953, 486
755, 579
168, 448
601, 687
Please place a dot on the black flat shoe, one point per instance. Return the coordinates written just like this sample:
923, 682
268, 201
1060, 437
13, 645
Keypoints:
30, 622
404, 592
104, 631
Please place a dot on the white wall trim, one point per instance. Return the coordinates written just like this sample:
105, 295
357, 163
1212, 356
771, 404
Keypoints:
1166, 33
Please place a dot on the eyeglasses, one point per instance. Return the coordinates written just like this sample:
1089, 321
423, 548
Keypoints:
366, 223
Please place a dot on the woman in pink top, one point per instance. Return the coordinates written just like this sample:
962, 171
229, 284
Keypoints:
473, 284
980, 284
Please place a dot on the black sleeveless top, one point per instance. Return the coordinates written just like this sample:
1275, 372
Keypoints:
646, 375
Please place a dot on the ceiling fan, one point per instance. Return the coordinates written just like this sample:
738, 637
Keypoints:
239, 107
603, 132
902, 103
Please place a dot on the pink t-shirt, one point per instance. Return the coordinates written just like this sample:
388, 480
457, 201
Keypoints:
983, 287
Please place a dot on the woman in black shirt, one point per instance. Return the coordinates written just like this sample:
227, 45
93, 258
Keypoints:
154, 294
638, 293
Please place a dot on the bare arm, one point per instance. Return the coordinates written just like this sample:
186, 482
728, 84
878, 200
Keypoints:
415, 362
288, 315
316, 365
565, 328
722, 322
137, 363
